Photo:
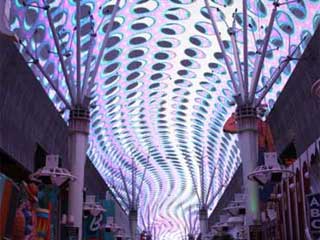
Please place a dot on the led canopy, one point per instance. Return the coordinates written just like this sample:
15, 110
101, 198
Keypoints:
162, 92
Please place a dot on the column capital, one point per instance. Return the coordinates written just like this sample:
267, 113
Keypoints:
79, 120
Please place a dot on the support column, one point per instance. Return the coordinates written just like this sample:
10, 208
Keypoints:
133, 222
203, 219
247, 123
78, 143
288, 203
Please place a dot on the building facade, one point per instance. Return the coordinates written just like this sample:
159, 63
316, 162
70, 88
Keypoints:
31, 129
291, 211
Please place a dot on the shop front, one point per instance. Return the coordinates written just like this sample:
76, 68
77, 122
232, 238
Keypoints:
33, 210
297, 199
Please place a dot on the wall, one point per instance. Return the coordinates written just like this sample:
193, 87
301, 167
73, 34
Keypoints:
29, 119
296, 113
294, 117
27, 116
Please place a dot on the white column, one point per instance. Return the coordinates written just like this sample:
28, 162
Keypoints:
296, 206
305, 218
287, 189
78, 143
248, 144
133, 221
284, 220
203, 219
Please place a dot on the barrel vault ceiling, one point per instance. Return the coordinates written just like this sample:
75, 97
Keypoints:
162, 93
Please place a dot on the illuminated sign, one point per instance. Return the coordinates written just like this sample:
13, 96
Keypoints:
313, 201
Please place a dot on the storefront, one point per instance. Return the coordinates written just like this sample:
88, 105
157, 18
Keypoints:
30, 129
34, 211
296, 198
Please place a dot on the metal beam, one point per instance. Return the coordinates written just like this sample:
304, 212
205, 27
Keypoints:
142, 180
87, 67
185, 220
245, 51
242, 83
78, 49
216, 193
190, 221
260, 58
89, 60
59, 51
202, 182
154, 220
50, 81
195, 187
133, 184
210, 185
143, 222
68, 62
277, 74
126, 188
224, 54
103, 46
193, 230
148, 228
119, 194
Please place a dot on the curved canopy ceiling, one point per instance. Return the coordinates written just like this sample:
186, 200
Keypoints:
162, 93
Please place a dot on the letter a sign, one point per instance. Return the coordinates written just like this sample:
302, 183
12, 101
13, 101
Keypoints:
313, 201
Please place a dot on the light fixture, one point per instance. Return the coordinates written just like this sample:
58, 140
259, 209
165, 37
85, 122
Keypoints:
92, 207
271, 171
51, 173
